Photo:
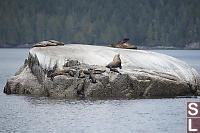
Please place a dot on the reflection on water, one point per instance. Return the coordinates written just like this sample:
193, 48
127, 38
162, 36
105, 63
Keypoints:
25, 114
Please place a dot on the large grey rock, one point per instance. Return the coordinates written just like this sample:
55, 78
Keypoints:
144, 74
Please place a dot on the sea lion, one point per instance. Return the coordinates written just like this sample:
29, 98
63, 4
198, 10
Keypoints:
123, 41
96, 71
81, 73
41, 44
127, 45
123, 44
92, 77
114, 70
86, 72
48, 43
71, 73
51, 73
57, 42
51, 44
115, 63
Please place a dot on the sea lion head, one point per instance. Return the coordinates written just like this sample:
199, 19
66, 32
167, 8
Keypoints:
117, 58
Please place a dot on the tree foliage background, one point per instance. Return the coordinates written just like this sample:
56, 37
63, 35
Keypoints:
145, 22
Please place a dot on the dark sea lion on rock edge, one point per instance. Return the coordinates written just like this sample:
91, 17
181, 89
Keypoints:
115, 63
114, 70
98, 71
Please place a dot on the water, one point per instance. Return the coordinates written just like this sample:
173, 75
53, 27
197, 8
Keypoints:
24, 114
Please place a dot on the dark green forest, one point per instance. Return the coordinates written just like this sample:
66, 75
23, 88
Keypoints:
145, 22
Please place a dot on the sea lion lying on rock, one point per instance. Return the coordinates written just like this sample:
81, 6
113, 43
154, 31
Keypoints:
123, 44
52, 74
48, 43
114, 70
98, 71
57, 42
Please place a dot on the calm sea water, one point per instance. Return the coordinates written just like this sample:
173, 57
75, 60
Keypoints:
24, 114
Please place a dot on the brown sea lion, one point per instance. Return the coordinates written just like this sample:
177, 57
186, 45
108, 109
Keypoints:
81, 73
57, 42
48, 43
96, 71
123, 44
115, 63
51, 74
51, 44
41, 44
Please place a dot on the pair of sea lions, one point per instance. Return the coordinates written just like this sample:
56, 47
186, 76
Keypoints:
123, 44
49, 43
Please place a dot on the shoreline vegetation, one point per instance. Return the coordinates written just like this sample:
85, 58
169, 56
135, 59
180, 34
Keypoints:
162, 24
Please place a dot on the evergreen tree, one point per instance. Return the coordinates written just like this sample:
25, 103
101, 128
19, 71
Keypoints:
145, 22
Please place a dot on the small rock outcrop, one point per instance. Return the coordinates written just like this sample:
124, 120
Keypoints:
85, 71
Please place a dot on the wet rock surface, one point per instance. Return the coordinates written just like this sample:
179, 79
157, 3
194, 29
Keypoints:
85, 76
